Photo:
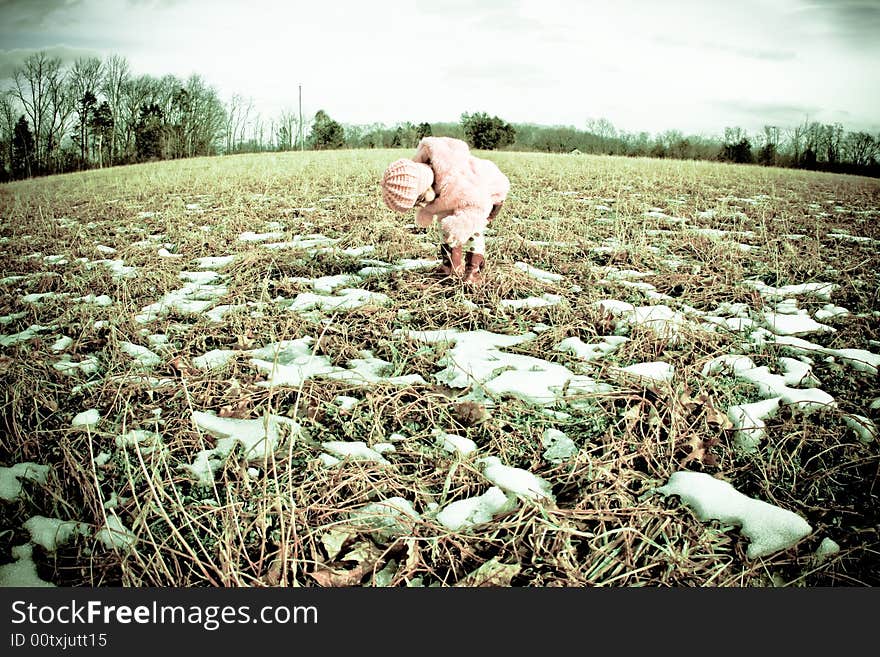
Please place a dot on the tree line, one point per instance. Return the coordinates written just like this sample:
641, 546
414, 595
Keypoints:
97, 113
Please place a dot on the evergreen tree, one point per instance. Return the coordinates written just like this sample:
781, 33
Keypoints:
148, 134
424, 130
23, 150
487, 133
326, 133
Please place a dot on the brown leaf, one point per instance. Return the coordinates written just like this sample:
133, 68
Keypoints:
470, 413
273, 575
700, 451
335, 577
716, 417
491, 573
239, 410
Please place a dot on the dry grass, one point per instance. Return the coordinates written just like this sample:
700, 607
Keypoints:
606, 527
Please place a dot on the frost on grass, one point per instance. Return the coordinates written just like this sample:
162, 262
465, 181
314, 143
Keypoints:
10, 478
52, 533
471, 511
23, 571
769, 528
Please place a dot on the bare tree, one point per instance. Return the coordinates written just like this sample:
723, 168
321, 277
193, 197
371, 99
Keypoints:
85, 80
136, 92
288, 130
115, 76
32, 86
7, 128
861, 148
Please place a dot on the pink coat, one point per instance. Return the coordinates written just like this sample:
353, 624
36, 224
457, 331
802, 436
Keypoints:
467, 188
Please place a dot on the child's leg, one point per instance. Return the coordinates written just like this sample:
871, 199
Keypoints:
475, 258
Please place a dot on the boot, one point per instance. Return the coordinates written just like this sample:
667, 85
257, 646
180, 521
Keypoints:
451, 260
475, 263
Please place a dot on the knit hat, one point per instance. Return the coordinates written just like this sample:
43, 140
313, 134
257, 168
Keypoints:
404, 180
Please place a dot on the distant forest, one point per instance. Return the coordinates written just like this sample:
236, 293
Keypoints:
97, 113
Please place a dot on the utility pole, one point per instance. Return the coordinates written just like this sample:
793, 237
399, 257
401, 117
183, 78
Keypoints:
301, 145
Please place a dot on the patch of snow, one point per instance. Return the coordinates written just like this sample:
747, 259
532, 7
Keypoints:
532, 302
454, 443
143, 357
356, 450
10, 478
115, 535
826, 549
471, 511
250, 236
591, 351
477, 359
61, 344
22, 336
214, 262
830, 311
819, 290
539, 274
800, 324
140, 439
769, 528
345, 299
88, 418
118, 268
214, 359
258, 437
22, 571
516, 481
387, 519
326, 284
558, 446
655, 371
346, 403
748, 421
52, 533
88, 365
865, 428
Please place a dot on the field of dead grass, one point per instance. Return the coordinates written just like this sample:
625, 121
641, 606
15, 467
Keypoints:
215, 410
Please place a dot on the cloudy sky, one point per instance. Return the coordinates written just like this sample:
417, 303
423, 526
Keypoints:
653, 65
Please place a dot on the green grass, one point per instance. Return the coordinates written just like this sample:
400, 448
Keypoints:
606, 528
